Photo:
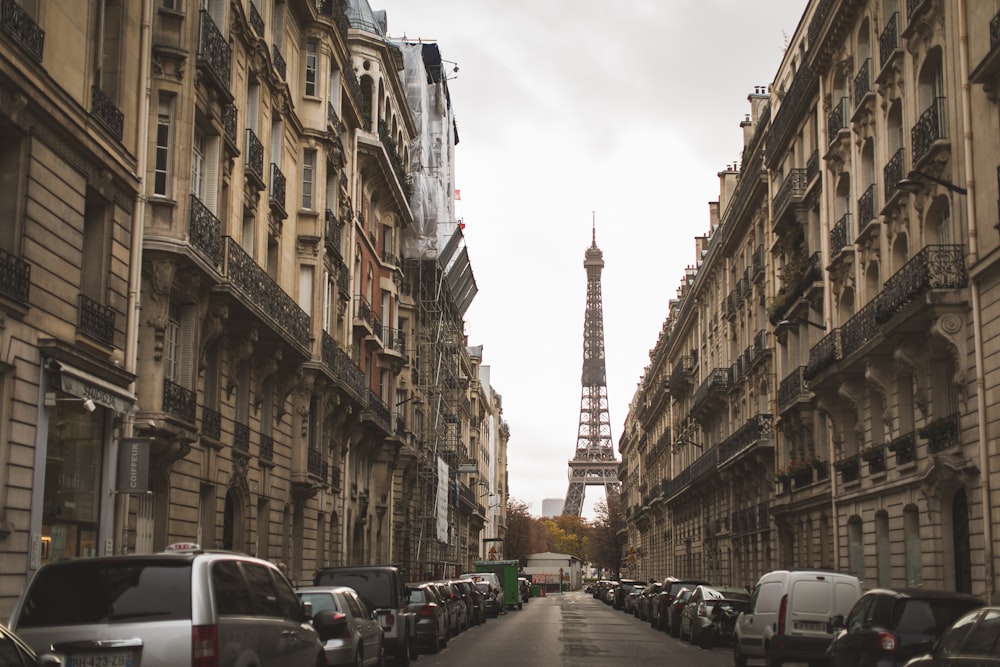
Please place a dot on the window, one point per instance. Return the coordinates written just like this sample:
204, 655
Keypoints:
198, 165
308, 178
312, 67
205, 168
161, 158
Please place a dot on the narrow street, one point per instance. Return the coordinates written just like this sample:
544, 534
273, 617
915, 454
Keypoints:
571, 629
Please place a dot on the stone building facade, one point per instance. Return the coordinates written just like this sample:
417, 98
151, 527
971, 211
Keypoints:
840, 320
213, 330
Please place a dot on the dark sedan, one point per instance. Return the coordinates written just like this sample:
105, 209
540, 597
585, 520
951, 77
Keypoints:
431, 626
973, 640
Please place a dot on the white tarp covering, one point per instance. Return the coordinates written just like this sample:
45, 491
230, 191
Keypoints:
441, 506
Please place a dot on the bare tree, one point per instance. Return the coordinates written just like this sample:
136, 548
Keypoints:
605, 543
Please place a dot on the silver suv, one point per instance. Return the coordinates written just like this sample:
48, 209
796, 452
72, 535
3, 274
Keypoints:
184, 607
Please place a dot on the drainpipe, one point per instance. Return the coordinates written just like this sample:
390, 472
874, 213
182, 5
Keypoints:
135, 252
977, 323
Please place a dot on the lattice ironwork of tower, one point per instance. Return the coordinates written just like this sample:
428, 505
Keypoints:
594, 462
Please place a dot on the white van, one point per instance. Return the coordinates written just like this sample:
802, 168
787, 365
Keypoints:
788, 616
489, 577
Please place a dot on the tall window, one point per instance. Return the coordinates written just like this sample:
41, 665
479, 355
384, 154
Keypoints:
205, 168
312, 67
308, 178
94, 261
164, 136
198, 165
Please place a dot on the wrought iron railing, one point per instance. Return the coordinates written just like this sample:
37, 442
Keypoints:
343, 368
394, 339
276, 193
718, 380
824, 354
279, 61
841, 235
397, 162
942, 433
791, 190
335, 478
757, 428
874, 456
229, 123
931, 127
836, 120
812, 166
362, 309
934, 267
888, 41
862, 82
860, 329
15, 277
892, 173
241, 437
785, 120
683, 367
759, 261
343, 277
255, 155
905, 448
377, 407
19, 26
205, 231
262, 290
179, 401
214, 50
389, 258
332, 230
793, 387
255, 20
96, 320
333, 119
866, 207
211, 423
849, 469
995, 31
266, 447
105, 111
314, 463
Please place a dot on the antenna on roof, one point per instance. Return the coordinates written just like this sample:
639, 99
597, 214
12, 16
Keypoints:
593, 227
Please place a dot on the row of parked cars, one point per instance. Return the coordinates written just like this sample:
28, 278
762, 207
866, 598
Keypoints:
189, 606
818, 617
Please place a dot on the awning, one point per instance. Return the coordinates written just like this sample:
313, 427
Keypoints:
84, 385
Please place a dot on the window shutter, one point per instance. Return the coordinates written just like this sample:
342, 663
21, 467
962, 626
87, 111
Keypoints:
187, 354
212, 173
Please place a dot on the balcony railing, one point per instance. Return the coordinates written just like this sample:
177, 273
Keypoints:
849, 469
256, 22
19, 26
279, 61
905, 448
15, 278
836, 120
333, 119
276, 193
841, 236
931, 127
786, 119
860, 329
866, 207
862, 82
874, 456
229, 124
344, 369
389, 258
888, 41
792, 388
205, 231
362, 310
684, 367
241, 437
893, 173
105, 111
757, 428
718, 380
378, 407
255, 155
315, 465
394, 339
941, 433
179, 401
812, 166
995, 31
214, 50
96, 321
824, 354
332, 230
261, 289
266, 447
791, 191
758, 261
211, 424
934, 267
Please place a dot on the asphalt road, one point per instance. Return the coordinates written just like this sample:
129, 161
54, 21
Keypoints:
571, 629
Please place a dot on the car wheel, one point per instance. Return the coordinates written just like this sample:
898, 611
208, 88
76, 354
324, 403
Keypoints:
769, 659
739, 659
402, 656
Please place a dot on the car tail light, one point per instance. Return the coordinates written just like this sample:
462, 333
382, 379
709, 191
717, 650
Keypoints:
701, 609
204, 646
782, 613
345, 633
887, 642
388, 619
426, 611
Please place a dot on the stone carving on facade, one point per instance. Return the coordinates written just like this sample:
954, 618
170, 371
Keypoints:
946, 474
951, 327
241, 347
914, 360
924, 30
160, 274
268, 364
854, 398
285, 389
879, 380
213, 323
890, 83
897, 221
863, 122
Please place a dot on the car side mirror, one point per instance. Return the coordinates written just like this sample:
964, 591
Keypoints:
329, 624
837, 622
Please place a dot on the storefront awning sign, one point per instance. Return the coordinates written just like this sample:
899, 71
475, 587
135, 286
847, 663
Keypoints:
85, 385
133, 465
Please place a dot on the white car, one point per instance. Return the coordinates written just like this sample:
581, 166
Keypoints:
360, 641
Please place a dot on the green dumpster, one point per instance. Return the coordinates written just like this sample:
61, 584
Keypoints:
535, 590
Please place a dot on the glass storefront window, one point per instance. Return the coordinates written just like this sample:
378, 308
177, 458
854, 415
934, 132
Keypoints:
73, 464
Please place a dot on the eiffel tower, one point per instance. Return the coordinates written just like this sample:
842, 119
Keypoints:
594, 462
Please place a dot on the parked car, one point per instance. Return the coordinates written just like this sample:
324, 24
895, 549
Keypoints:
493, 602
384, 592
973, 641
649, 610
665, 598
611, 592
454, 606
885, 628
624, 587
698, 618
474, 605
463, 604
431, 629
489, 577
360, 640
181, 607
789, 614
16, 653
673, 626
631, 600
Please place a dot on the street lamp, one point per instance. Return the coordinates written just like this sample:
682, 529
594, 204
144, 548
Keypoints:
915, 182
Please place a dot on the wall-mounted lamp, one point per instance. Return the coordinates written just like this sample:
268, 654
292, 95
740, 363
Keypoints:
89, 406
415, 397
797, 320
916, 182
681, 442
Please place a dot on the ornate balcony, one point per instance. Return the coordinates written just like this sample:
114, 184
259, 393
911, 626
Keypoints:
759, 263
276, 192
344, 370
836, 120
261, 290
893, 174
380, 411
860, 329
96, 321
229, 116
714, 386
888, 41
205, 231
211, 424
333, 121
941, 434
256, 22
849, 469
756, 429
936, 267
841, 236
793, 389
397, 162
389, 258
791, 192
682, 372
214, 50
279, 61
866, 207
812, 167
105, 111
241, 437
255, 159
315, 465
905, 448
824, 354
179, 401
394, 340
15, 278
863, 82
786, 120
362, 313
931, 127
332, 231
20, 27
874, 456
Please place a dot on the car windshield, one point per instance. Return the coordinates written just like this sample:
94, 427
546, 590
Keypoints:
86, 592
320, 601
374, 587
928, 617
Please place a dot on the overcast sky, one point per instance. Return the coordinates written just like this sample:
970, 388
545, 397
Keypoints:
568, 108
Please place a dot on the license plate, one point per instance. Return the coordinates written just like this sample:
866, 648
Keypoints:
121, 659
813, 626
